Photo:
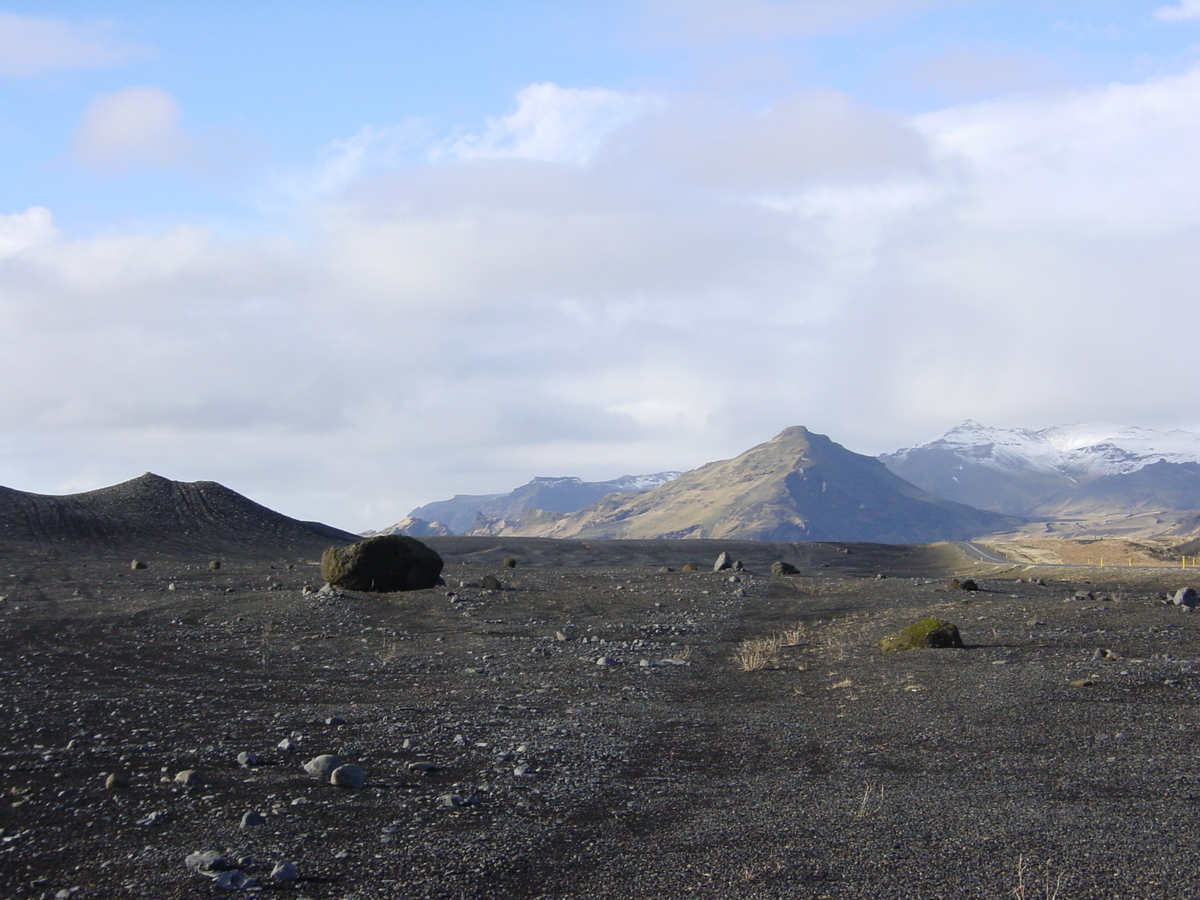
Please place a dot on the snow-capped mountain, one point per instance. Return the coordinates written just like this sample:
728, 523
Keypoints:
1022, 472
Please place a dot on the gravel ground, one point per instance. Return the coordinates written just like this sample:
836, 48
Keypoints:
589, 731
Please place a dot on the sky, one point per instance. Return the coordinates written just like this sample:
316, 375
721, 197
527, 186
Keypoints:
351, 258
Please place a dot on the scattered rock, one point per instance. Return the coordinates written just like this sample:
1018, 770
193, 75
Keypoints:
491, 583
562, 636
116, 782
137, 564
1085, 682
206, 861
322, 766
780, 568
1083, 596
214, 564
252, 818
247, 760
422, 767
1186, 596
189, 778
287, 745
929, 633
350, 777
283, 871
724, 561
606, 661
387, 562
233, 880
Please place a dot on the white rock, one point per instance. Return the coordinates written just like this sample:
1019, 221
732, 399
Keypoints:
322, 766
351, 777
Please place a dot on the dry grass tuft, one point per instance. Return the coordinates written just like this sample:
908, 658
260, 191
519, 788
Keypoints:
1051, 885
760, 653
871, 802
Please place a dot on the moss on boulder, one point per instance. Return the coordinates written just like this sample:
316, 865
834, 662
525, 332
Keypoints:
386, 562
927, 633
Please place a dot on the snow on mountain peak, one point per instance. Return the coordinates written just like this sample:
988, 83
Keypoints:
1082, 450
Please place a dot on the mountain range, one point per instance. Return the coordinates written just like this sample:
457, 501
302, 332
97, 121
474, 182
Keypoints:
1060, 472
799, 486
1073, 480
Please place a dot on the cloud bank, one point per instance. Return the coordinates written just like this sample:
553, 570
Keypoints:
32, 45
604, 282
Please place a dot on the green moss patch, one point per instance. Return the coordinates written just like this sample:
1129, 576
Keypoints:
929, 633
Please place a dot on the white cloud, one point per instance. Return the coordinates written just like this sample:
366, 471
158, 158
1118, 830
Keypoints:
32, 45
555, 124
132, 128
1185, 9
714, 275
23, 231
343, 162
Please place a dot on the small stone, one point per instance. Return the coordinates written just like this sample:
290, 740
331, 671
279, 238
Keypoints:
284, 871
781, 568
189, 778
322, 766
153, 818
246, 760
233, 880
205, 861
735, 579
522, 771
137, 564
1186, 596
116, 782
350, 777
724, 561
287, 745
335, 720
252, 818
422, 767
451, 801
562, 636
214, 564
606, 661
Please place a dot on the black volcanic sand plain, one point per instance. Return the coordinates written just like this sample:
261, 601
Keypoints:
636, 758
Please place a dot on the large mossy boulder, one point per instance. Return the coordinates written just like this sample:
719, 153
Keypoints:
926, 634
386, 562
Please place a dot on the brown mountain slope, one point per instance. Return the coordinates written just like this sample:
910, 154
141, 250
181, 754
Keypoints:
154, 513
799, 486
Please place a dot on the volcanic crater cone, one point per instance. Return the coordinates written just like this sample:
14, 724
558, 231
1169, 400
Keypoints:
152, 512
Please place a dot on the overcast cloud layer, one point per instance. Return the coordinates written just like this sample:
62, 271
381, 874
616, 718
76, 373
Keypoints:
605, 279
